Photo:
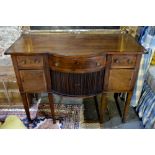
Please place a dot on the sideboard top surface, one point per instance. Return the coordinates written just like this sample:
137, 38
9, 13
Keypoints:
68, 44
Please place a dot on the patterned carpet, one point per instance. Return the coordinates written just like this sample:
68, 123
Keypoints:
68, 116
73, 114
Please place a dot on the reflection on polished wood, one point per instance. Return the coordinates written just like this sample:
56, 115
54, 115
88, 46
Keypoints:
75, 44
79, 65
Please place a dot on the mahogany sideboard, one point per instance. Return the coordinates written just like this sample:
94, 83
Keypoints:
79, 65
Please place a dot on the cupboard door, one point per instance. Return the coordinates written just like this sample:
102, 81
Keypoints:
33, 80
121, 79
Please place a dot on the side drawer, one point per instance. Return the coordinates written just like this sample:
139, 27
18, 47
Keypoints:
77, 64
123, 61
33, 80
30, 61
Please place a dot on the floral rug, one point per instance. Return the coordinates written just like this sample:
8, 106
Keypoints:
67, 116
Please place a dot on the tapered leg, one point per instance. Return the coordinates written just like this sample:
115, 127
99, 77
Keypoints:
97, 107
103, 107
29, 99
126, 108
117, 104
26, 105
50, 97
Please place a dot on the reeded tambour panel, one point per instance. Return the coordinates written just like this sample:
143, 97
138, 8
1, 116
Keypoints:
77, 84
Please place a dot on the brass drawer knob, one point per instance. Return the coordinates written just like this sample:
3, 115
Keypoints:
129, 61
36, 61
56, 64
98, 64
77, 63
23, 62
116, 61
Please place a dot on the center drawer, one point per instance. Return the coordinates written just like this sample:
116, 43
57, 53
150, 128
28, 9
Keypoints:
74, 64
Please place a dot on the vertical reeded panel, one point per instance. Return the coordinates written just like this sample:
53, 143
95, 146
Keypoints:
77, 84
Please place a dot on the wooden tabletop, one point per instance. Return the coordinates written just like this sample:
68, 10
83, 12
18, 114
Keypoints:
68, 44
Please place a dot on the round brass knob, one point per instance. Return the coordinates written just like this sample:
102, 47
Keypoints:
116, 61
56, 64
36, 61
98, 64
23, 62
77, 63
129, 61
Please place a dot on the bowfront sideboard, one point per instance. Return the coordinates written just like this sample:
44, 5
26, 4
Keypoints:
77, 65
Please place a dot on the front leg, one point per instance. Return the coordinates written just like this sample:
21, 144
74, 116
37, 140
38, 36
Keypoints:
51, 102
26, 105
126, 108
116, 95
103, 107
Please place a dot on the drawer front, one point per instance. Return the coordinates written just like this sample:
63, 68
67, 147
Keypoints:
30, 61
73, 64
33, 80
123, 61
121, 79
